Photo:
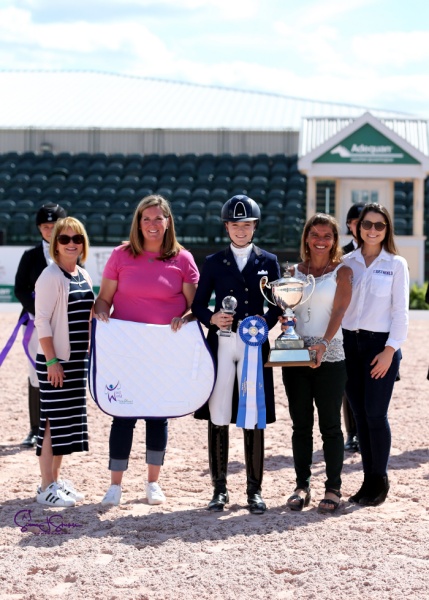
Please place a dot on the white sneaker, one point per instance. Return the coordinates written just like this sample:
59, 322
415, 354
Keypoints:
69, 490
113, 496
154, 493
53, 496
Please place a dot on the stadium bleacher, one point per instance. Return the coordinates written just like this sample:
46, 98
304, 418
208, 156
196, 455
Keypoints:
103, 190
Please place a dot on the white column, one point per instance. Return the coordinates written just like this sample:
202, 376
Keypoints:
311, 197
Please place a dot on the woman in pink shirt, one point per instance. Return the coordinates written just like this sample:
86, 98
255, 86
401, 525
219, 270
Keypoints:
150, 279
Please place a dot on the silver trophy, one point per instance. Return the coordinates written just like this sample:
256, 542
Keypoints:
229, 304
288, 292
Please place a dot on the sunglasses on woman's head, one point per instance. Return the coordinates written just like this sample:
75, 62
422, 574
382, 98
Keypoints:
66, 239
379, 226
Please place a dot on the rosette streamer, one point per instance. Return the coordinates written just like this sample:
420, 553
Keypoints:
251, 406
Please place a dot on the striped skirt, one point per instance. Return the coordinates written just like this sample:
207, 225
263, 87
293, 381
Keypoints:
64, 408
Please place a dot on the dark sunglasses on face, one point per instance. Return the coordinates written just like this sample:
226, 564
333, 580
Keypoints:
66, 239
379, 226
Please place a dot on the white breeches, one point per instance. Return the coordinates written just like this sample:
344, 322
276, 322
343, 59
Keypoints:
230, 357
32, 349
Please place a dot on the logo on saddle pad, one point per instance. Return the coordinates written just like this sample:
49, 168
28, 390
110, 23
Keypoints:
114, 393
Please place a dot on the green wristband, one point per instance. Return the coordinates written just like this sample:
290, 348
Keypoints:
51, 362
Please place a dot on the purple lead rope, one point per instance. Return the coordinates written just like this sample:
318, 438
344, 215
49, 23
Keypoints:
25, 341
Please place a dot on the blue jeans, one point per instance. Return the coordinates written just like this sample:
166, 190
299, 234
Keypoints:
369, 397
121, 441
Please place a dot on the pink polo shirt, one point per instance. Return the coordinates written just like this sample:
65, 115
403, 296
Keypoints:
149, 290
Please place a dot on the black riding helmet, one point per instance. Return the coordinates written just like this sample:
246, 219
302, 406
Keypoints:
240, 208
49, 213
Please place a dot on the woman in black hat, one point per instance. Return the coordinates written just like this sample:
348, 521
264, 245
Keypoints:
31, 265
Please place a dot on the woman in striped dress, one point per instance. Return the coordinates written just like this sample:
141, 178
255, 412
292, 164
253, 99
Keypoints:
64, 301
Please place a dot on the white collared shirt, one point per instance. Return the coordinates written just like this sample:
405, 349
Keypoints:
380, 296
47, 256
241, 255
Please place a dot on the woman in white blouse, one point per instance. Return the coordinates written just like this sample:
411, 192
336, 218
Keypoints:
374, 326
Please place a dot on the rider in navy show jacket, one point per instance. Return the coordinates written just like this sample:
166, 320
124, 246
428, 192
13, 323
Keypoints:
235, 271
221, 275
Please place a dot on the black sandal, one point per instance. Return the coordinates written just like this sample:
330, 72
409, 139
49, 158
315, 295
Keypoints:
328, 506
297, 502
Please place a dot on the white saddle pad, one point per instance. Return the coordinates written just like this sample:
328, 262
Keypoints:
140, 370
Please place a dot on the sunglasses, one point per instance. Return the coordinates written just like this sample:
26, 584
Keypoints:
66, 239
379, 226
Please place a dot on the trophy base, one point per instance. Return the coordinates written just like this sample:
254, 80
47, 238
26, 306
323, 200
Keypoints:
224, 333
298, 357
288, 344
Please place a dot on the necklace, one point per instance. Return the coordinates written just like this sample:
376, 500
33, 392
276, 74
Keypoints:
308, 273
76, 279
323, 272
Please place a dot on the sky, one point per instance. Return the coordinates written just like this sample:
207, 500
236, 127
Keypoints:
373, 53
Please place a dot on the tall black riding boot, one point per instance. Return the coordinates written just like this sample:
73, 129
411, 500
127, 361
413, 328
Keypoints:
34, 411
254, 455
218, 463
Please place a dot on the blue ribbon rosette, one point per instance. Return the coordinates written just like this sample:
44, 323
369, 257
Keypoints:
251, 405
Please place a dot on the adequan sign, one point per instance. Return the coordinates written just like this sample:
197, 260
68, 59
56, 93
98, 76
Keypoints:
367, 146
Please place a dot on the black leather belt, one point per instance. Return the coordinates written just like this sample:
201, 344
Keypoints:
366, 333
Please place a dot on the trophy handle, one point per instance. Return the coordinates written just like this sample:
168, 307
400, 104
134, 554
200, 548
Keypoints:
262, 284
310, 281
